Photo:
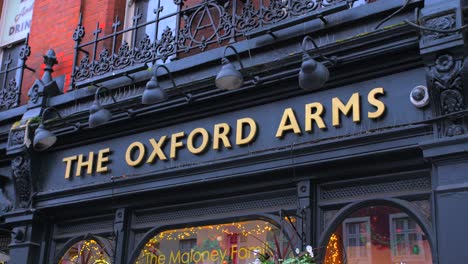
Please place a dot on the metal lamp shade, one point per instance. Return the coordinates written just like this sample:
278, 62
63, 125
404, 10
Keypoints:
43, 138
228, 78
313, 74
153, 93
98, 115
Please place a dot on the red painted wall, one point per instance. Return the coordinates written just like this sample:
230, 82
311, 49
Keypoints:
52, 26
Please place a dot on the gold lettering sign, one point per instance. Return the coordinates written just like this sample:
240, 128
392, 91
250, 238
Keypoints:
198, 140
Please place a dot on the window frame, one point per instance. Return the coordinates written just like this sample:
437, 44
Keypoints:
273, 219
353, 220
10, 72
392, 227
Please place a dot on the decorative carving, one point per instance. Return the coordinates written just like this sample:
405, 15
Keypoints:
33, 93
447, 84
16, 137
451, 101
445, 22
22, 180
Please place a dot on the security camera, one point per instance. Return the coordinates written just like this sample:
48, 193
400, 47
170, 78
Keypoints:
419, 96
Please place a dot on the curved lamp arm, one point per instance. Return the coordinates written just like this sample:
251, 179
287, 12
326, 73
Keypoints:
235, 52
332, 60
53, 109
96, 98
49, 109
188, 97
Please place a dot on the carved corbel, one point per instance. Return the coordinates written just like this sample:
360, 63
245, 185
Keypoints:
443, 50
448, 96
22, 179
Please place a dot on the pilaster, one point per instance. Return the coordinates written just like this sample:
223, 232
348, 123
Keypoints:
444, 48
305, 212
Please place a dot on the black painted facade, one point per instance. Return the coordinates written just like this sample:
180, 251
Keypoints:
411, 158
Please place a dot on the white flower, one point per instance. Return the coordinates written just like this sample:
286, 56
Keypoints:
298, 251
309, 250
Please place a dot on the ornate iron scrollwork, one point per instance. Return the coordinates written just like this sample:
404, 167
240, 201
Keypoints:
249, 19
10, 92
210, 23
10, 95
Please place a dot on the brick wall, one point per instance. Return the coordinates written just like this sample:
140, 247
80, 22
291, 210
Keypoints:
52, 26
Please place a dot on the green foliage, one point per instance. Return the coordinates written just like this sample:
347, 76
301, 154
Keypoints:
302, 258
34, 120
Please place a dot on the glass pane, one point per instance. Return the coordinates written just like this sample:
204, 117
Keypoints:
362, 228
351, 229
378, 235
232, 243
10, 59
86, 252
400, 225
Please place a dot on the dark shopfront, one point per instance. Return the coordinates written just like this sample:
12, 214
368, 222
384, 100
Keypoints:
371, 168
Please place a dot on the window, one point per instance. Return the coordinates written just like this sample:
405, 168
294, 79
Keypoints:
378, 235
406, 238
15, 24
357, 239
10, 76
88, 251
229, 243
153, 19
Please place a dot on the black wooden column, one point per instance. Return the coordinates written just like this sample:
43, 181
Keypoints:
121, 234
305, 212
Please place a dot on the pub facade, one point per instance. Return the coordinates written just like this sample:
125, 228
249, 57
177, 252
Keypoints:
234, 132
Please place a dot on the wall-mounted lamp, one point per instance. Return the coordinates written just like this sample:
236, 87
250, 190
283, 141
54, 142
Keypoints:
154, 93
229, 78
43, 138
98, 115
313, 74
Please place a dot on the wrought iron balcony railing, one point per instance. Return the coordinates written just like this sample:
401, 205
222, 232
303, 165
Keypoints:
11, 77
179, 29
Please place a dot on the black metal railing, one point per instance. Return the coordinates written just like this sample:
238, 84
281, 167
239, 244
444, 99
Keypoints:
11, 77
178, 30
